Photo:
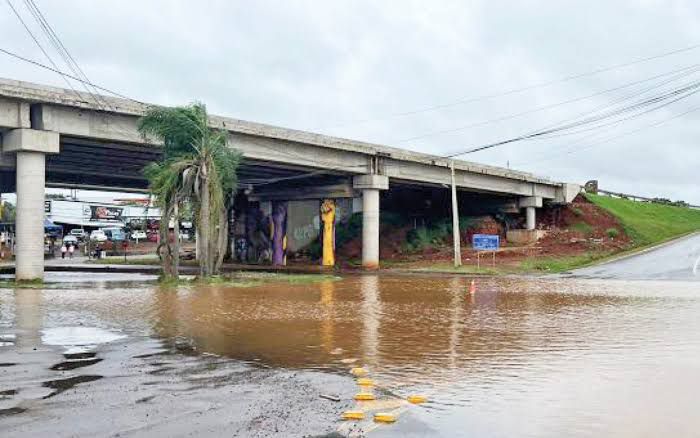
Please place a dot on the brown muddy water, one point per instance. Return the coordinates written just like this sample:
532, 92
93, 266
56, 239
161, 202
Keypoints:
520, 357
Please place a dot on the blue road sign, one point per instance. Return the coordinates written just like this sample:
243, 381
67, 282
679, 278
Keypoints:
486, 242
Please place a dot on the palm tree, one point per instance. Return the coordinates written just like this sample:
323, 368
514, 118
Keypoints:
199, 169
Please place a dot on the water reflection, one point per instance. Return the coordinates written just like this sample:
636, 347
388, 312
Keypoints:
29, 318
516, 349
412, 329
370, 315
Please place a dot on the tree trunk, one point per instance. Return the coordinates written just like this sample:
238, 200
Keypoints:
204, 228
164, 248
222, 240
176, 242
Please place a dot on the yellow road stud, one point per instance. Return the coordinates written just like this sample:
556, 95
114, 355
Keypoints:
358, 372
353, 415
364, 396
383, 417
365, 382
417, 399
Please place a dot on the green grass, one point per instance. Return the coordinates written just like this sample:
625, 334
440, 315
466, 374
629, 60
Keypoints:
251, 279
560, 264
22, 284
649, 223
582, 228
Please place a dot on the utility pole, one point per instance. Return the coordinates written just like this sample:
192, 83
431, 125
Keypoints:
455, 219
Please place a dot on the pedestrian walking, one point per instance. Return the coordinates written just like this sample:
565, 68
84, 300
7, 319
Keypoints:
71, 248
63, 251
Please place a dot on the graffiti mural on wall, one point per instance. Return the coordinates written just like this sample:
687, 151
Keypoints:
278, 233
328, 232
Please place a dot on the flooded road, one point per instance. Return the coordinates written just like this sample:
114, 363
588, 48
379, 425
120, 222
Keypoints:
520, 357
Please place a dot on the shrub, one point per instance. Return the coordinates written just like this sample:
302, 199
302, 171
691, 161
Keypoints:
582, 228
612, 232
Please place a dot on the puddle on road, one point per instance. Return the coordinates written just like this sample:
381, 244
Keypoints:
61, 385
11, 411
86, 337
74, 364
520, 357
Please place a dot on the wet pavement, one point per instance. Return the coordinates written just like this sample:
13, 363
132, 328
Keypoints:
116, 355
677, 260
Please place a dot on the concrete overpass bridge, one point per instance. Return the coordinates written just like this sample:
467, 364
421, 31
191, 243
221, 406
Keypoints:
50, 138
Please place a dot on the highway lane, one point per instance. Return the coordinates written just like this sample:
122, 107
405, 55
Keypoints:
677, 260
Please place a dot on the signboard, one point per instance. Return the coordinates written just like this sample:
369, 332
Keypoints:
486, 242
47, 206
100, 212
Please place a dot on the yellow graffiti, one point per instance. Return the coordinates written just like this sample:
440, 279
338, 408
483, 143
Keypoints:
328, 219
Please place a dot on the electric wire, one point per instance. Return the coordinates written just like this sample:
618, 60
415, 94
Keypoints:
683, 71
568, 78
682, 93
62, 50
569, 151
36, 41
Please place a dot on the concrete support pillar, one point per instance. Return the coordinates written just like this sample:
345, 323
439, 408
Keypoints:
370, 228
370, 185
530, 219
530, 204
29, 228
31, 147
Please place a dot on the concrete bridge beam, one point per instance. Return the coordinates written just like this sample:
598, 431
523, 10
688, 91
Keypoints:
370, 185
30, 147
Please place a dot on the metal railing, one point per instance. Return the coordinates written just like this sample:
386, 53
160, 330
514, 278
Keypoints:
643, 198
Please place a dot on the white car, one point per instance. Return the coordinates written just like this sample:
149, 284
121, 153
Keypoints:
98, 236
70, 240
138, 235
77, 232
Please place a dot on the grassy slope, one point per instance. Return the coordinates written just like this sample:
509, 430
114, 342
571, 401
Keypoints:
648, 223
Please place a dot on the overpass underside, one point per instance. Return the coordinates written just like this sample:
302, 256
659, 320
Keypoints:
50, 139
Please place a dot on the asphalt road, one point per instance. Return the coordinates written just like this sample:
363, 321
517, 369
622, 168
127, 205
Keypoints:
677, 260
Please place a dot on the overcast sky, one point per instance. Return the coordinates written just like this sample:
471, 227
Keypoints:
347, 68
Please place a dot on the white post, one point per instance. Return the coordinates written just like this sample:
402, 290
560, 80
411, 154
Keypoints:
30, 216
370, 228
455, 220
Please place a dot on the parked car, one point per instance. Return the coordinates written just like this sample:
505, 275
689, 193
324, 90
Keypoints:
98, 236
69, 239
80, 234
138, 235
114, 234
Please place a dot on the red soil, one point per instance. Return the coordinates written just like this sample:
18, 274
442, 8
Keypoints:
575, 229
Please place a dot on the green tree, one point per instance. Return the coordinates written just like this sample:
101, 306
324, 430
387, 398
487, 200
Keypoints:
197, 172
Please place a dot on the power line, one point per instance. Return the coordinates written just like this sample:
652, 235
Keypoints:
31, 34
466, 100
611, 138
62, 50
666, 99
684, 71
56, 70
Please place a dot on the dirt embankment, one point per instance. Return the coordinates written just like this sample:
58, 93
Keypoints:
576, 229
